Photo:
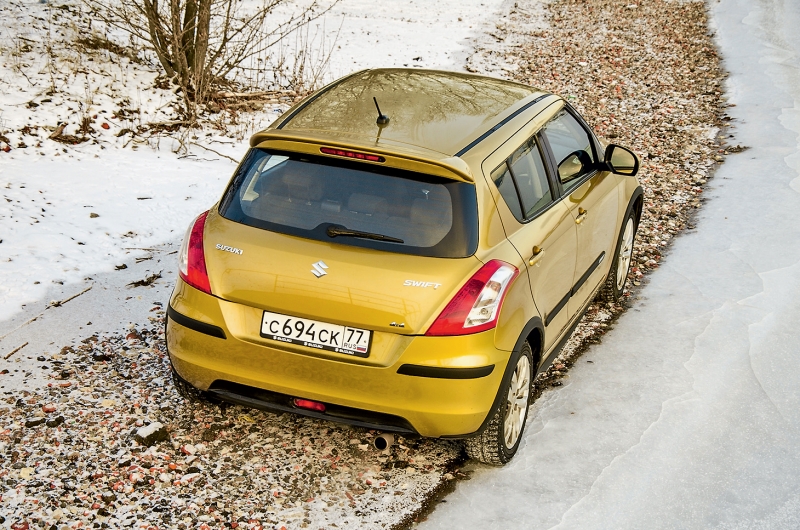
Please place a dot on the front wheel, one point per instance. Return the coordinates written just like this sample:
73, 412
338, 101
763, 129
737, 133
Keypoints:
498, 442
615, 284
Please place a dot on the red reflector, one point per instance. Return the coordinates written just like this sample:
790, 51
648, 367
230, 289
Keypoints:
352, 154
309, 405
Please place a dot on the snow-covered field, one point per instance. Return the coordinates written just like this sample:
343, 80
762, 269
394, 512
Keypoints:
688, 413
143, 196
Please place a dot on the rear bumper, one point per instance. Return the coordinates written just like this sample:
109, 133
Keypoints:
445, 385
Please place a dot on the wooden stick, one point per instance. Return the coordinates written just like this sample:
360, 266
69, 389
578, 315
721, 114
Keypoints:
216, 152
15, 350
225, 95
59, 303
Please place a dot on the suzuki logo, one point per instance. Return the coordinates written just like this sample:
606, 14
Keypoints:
319, 269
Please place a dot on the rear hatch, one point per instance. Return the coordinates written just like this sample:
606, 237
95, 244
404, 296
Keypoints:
341, 241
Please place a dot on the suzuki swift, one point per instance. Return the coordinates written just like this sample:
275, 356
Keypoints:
404, 250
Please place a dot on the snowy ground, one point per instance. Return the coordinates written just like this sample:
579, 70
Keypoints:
145, 197
688, 413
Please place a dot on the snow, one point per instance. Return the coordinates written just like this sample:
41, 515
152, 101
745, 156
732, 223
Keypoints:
411, 33
142, 193
141, 199
147, 430
689, 413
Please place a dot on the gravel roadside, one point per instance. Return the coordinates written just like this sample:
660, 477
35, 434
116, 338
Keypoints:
108, 443
645, 75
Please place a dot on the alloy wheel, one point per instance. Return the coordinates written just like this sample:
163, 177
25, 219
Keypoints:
517, 402
625, 253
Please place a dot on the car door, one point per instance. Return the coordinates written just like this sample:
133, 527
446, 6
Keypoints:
541, 228
590, 195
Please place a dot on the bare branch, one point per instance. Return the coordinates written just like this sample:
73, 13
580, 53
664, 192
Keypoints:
202, 45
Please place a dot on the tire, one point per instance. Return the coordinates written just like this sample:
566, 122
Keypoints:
498, 442
615, 283
186, 390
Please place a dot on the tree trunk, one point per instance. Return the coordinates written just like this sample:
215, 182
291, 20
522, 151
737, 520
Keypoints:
158, 39
178, 55
201, 46
189, 31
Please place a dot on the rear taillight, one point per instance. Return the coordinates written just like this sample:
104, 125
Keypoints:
477, 305
192, 258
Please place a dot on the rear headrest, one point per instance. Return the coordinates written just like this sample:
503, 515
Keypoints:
303, 186
423, 211
363, 203
432, 211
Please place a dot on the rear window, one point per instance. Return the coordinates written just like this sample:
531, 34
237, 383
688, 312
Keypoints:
325, 199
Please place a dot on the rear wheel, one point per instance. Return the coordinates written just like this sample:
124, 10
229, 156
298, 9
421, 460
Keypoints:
186, 390
615, 283
498, 442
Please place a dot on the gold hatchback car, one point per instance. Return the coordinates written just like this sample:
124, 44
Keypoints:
409, 272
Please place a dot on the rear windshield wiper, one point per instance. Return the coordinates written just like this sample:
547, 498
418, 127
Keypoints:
334, 231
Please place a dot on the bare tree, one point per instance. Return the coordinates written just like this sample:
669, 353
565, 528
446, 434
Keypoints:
200, 43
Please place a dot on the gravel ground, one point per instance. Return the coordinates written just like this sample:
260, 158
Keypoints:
644, 75
108, 443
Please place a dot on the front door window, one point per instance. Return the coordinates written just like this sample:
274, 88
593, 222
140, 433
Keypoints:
572, 148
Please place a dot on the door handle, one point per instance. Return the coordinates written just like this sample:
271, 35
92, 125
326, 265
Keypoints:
581, 216
537, 255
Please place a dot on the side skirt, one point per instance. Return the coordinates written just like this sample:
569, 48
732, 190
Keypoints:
558, 347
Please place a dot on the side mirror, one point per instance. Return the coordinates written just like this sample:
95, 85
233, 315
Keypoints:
575, 164
621, 160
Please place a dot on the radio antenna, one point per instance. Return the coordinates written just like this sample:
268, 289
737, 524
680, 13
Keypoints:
383, 119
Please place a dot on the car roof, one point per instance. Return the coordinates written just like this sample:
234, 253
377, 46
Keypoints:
432, 113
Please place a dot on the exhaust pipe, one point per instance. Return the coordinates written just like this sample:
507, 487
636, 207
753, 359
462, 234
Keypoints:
383, 441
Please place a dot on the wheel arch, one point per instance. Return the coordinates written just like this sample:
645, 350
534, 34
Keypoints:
636, 203
533, 333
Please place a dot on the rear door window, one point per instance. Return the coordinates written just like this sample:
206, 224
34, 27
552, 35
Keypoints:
523, 183
508, 189
314, 197
528, 169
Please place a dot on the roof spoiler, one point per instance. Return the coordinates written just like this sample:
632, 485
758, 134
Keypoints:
448, 167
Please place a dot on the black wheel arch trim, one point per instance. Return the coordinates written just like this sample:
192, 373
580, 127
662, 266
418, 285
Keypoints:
637, 193
195, 325
534, 323
637, 217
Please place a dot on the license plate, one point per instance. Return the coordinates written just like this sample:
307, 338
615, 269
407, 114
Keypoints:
315, 334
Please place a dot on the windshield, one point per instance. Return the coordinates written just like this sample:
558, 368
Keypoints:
353, 204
